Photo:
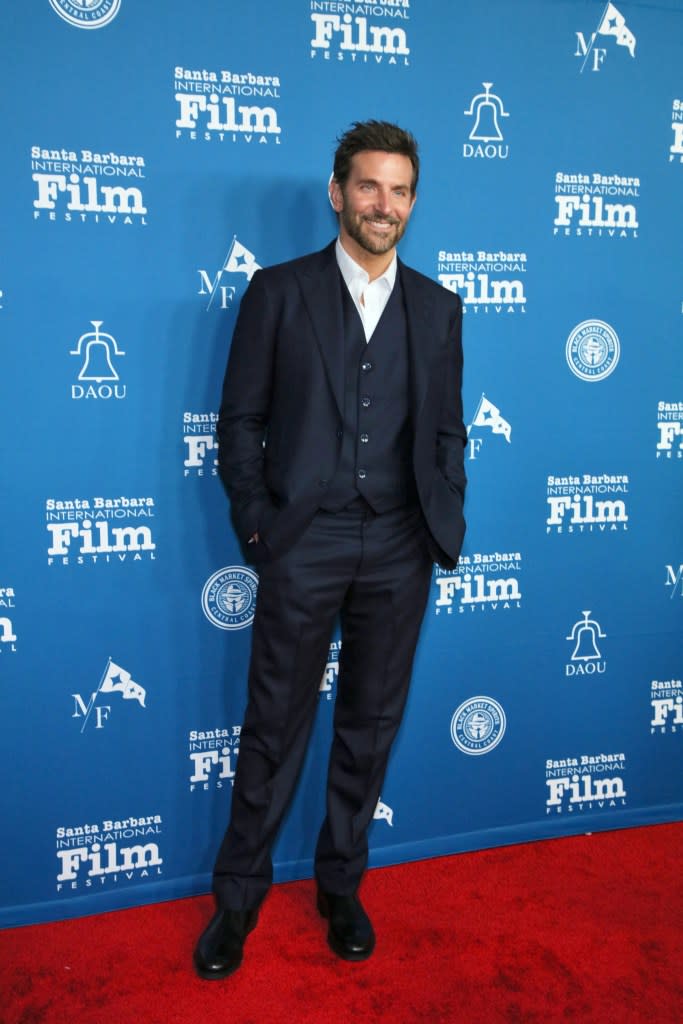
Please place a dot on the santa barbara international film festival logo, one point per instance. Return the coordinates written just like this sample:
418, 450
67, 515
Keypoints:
479, 582
199, 444
328, 684
229, 597
114, 680
8, 637
361, 33
99, 530
670, 430
592, 350
87, 13
478, 725
666, 701
226, 106
98, 356
586, 656
592, 52
108, 853
487, 282
486, 138
592, 205
587, 503
219, 290
585, 783
213, 757
487, 418
676, 147
78, 186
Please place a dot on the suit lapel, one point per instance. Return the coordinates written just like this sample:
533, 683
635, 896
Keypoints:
320, 287
422, 340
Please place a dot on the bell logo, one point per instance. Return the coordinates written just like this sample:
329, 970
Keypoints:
487, 109
586, 658
97, 348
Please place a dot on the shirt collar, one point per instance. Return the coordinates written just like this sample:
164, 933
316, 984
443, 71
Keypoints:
356, 277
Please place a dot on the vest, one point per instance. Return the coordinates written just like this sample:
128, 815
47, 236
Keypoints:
375, 460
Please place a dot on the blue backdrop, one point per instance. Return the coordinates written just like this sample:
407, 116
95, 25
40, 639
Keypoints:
154, 155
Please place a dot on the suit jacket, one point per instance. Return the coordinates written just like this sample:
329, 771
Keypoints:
281, 412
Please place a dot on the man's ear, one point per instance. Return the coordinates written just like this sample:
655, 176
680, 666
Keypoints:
335, 195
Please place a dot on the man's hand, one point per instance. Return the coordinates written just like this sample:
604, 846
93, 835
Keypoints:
253, 539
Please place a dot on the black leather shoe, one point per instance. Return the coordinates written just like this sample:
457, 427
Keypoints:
350, 933
220, 946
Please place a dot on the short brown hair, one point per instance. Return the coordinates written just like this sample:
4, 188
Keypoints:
377, 135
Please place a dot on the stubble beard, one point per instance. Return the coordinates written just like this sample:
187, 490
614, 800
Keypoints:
357, 229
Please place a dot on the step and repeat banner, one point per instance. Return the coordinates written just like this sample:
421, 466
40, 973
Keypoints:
155, 155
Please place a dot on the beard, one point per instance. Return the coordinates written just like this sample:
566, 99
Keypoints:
358, 228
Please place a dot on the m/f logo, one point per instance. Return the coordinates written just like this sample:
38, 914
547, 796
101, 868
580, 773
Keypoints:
674, 579
98, 375
666, 698
486, 135
114, 680
238, 260
612, 23
344, 38
487, 416
213, 754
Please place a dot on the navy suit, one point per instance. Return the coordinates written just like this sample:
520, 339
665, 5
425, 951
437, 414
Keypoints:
283, 420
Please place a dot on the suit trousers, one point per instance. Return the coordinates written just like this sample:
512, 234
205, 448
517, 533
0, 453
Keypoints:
374, 571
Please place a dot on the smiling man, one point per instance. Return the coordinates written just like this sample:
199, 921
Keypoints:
341, 446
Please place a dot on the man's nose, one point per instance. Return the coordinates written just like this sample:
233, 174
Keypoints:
383, 202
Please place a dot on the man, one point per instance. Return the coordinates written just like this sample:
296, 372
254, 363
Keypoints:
341, 446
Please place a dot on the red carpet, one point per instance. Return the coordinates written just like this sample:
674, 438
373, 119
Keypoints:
585, 929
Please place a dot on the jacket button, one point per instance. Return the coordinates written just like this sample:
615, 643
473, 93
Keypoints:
365, 438
340, 433
365, 367
365, 401
362, 474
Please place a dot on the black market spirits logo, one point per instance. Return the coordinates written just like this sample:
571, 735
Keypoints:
666, 701
670, 430
587, 503
594, 205
8, 636
88, 14
200, 443
99, 530
485, 139
226, 106
487, 282
480, 582
108, 853
676, 147
78, 186
587, 783
213, 757
360, 33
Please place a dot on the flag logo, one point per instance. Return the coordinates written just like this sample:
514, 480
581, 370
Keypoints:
384, 813
238, 260
115, 679
488, 415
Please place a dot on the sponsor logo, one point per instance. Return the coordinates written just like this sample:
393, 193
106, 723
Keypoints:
82, 531
343, 31
328, 684
486, 417
592, 350
229, 597
587, 503
108, 853
670, 430
478, 725
591, 205
226, 106
8, 638
213, 757
218, 292
87, 13
479, 582
611, 23
586, 657
383, 812
486, 136
586, 783
114, 680
200, 444
666, 700
674, 579
676, 147
485, 281
98, 377
77, 186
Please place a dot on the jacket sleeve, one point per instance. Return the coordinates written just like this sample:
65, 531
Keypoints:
451, 432
245, 406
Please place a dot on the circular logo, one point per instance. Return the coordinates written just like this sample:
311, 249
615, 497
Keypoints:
478, 725
87, 13
229, 597
593, 350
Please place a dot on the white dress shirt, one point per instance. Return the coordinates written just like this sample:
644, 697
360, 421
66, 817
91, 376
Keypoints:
369, 297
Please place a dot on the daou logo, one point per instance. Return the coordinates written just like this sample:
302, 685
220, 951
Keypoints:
586, 658
98, 376
486, 136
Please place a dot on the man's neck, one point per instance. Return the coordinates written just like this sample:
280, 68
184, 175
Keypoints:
374, 264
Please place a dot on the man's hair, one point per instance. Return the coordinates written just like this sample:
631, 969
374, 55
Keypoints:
377, 135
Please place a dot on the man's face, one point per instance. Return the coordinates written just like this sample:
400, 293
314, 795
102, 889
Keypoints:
375, 203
